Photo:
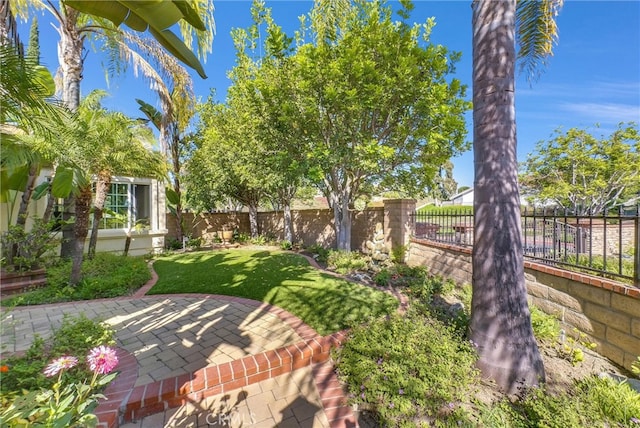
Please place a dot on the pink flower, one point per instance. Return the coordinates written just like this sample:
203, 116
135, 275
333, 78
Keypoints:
59, 364
102, 360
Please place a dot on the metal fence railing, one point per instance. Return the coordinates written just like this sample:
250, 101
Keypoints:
605, 244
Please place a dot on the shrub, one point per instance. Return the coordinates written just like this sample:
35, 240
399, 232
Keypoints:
106, 275
286, 245
319, 253
407, 368
382, 278
194, 242
30, 247
173, 244
345, 262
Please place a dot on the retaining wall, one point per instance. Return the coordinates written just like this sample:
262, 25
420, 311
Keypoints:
608, 312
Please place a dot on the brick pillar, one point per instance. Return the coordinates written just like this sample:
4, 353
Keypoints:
398, 222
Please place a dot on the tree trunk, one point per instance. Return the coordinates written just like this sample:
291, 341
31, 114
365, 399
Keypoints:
81, 230
288, 223
23, 210
253, 219
127, 244
102, 189
500, 319
51, 201
179, 225
71, 65
342, 223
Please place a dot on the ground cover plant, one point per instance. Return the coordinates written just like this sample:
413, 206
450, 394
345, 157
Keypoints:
325, 302
417, 369
106, 275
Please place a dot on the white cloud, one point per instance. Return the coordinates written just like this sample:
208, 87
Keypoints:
604, 112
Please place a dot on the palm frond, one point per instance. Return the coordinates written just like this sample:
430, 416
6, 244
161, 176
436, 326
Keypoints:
536, 34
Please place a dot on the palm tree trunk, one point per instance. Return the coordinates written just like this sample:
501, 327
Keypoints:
80, 230
103, 184
71, 64
500, 318
21, 220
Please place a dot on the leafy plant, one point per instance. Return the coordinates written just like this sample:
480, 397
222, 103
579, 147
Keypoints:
68, 402
286, 245
345, 262
319, 253
194, 242
572, 348
635, 367
407, 368
545, 326
399, 252
24, 250
592, 401
106, 275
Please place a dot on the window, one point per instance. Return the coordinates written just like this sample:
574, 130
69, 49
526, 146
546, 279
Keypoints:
127, 205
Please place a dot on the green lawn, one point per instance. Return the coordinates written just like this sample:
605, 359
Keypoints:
326, 303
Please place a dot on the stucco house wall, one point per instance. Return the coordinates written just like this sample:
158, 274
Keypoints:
144, 240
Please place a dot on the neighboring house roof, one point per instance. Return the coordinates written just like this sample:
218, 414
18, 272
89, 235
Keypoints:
461, 194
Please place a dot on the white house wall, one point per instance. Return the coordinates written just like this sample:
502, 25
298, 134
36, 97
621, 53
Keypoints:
113, 240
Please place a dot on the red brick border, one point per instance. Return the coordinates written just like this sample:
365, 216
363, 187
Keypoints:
128, 403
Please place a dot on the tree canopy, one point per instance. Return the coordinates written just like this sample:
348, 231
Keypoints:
367, 106
581, 172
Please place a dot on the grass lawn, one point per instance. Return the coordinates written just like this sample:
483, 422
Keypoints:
326, 303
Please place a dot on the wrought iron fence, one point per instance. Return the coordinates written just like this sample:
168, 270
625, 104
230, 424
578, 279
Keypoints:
605, 244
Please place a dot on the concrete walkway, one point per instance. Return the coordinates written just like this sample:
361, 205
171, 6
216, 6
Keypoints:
202, 360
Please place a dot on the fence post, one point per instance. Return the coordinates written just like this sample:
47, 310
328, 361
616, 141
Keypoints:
636, 250
398, 221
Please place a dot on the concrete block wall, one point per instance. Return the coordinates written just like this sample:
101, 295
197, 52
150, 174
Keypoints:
608, 312
310, 227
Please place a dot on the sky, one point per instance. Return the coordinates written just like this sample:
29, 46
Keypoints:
592, 81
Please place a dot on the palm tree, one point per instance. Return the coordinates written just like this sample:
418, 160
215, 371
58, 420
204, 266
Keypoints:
75, 26
100, 143
125, 150
500, 318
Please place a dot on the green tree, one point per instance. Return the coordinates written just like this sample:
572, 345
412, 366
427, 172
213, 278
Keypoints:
583, 173
231, 156
98, 141
375, 103
500, 318
264, 78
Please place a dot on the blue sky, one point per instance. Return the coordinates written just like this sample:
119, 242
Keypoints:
593, 77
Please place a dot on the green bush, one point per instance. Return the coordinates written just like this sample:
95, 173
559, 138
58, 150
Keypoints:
286, 245
591, 402
30, 247
173, 244
320, 253
195, 242
106, 275
345, 262
75, 336
407, 368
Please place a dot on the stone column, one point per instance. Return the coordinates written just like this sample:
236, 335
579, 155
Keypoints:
398, 221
